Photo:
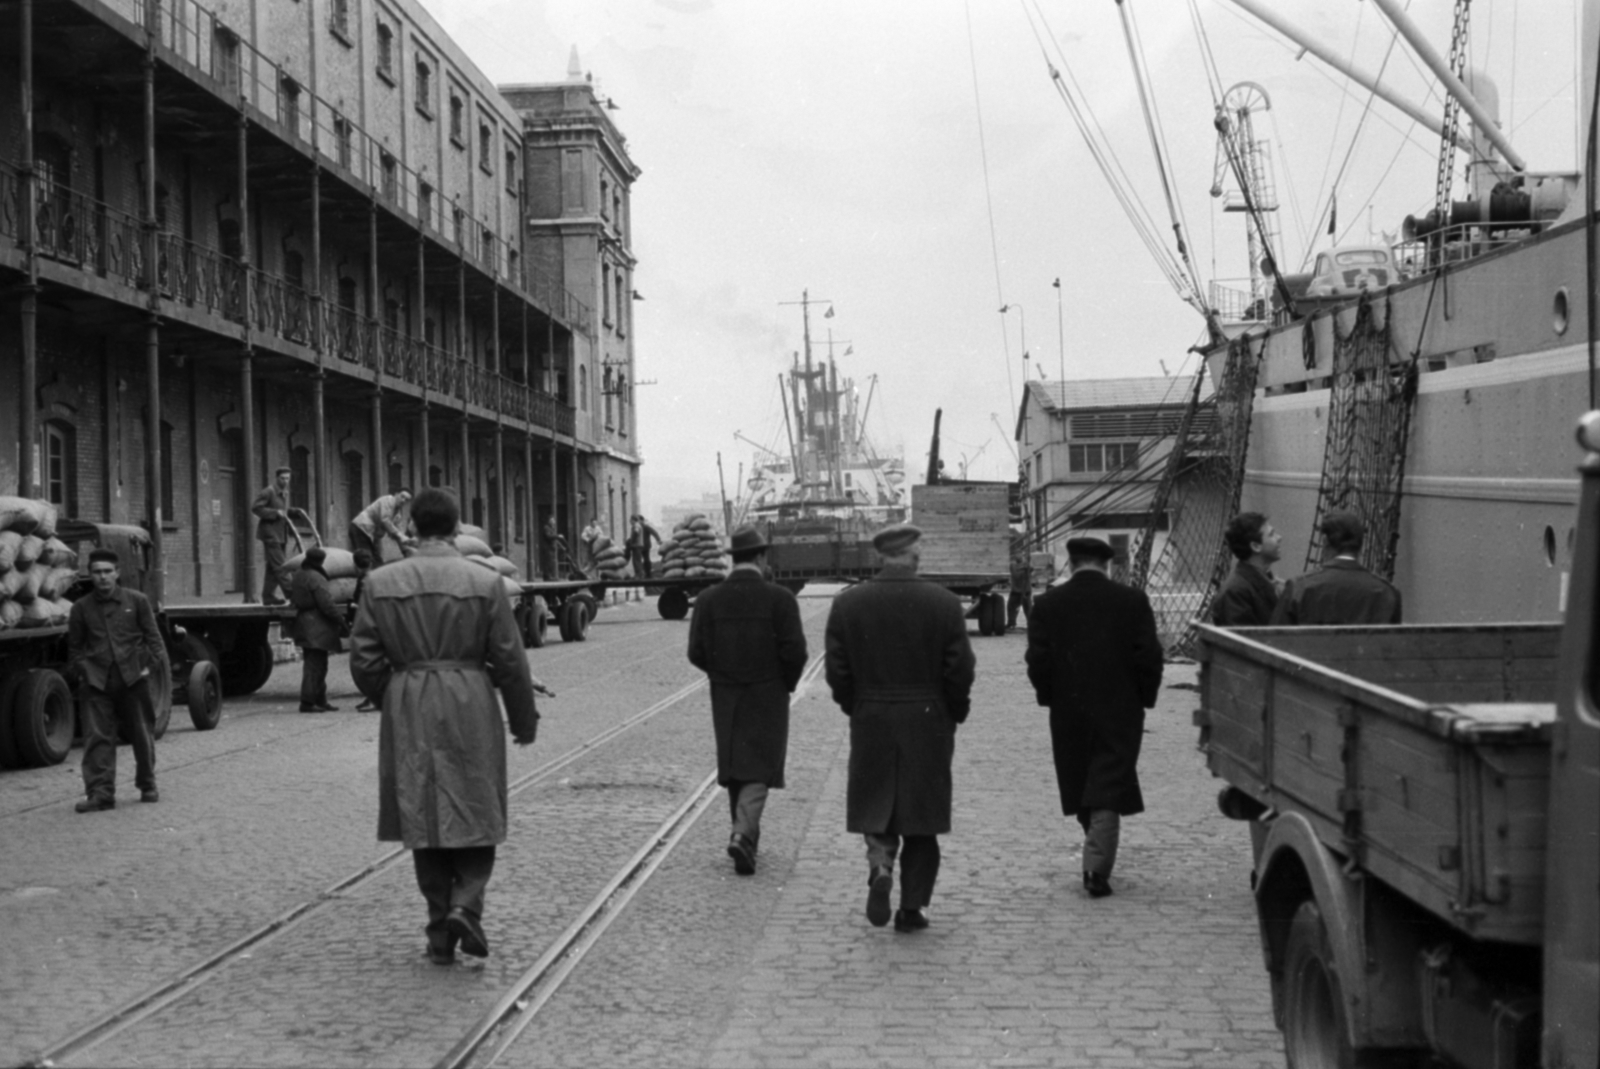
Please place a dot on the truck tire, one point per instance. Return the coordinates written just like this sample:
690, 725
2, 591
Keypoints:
1315, 1035
575, 619
9, 758
198, 648
42, 716
204, 695
247, 668
673, 604
160, 691
536, 626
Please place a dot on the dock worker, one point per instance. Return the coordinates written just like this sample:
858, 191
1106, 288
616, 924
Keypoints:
1250, 593
384, 518
113, 648
900, 665
641, 536
271, 507
318, 629
1021, 596
1342, 591
434, 639
590, 537
1094, 660
747, 637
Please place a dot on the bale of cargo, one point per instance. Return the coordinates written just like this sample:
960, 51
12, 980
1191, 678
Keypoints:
504, 566
513, 588
57, 581
44, 612
343, 589
28, 552
336, 563
27, 516
58, 554
10, 615
11, 582
473, 530
10, 542
472, 546
32, 582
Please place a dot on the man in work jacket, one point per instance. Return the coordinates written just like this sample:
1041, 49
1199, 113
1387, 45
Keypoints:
1249, 595
318, 630
1095, 660
901, 667
1341, 591
271, 507
434, 637
113, 647
381, 519
746, 636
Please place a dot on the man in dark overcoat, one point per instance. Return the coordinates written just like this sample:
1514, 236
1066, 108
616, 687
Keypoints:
318, 629
1249, 594
271, 507
434, 639
746, 636
1342, 591
1094, 659
901, 667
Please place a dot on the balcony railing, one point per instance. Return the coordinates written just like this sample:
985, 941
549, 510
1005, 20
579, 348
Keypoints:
212, 47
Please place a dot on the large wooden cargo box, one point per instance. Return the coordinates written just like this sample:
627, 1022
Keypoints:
1421, 753
965, 529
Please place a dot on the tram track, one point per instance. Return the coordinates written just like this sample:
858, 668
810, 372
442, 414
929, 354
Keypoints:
523, 998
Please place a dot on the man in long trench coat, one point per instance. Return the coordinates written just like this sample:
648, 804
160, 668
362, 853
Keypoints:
1095, 660
901, 667
434, 637
746, 636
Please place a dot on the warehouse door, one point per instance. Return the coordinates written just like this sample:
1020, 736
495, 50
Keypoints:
231, 507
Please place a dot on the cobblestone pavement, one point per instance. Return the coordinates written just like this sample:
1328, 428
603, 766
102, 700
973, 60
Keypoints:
703, 967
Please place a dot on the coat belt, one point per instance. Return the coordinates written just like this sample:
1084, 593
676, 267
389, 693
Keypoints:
443, 666
898, 694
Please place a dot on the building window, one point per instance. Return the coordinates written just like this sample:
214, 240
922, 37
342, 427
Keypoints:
339, 21
456, 120
391, 314
341, 140
61, 466
353, 465
605, 295
511, 171
300, 477
460, 221
616, 212
391, 176
485, 148
289, 106
385, 53
605, 199
425, 204
1098, 457
425, 89
583, 387
169, 507
572, 199
294, 268
225, 58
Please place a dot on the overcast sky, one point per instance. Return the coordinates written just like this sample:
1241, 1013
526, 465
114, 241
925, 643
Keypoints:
911, 162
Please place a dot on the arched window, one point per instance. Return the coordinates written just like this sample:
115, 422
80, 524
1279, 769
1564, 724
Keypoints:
61, 466
355, 499
300, 477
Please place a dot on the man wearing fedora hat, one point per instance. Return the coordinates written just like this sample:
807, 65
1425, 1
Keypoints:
1342, 591
747, 637
901, 667
1094, 659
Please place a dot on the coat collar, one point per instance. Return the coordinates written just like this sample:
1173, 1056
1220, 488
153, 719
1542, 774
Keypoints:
436, 549
896, 572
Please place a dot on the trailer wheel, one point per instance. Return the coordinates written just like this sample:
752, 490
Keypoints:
575, 620
1314, 1032
673, 604
537, 627
42, 718
204, 694
9, 758
197, 647
160, 690
247, 668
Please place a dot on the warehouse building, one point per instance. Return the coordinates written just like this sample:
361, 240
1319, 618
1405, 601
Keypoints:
305, 234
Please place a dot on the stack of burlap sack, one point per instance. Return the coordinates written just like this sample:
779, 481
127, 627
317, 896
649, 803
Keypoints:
610, 559
476, 550
693, 550
340, 567
36, 567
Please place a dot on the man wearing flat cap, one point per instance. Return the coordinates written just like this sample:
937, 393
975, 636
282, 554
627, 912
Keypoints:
318, 629
746, 636
1342, 591
901, 667
1094, 659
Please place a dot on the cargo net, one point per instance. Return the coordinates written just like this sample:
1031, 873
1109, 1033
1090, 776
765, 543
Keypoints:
1198, 495
1370, 403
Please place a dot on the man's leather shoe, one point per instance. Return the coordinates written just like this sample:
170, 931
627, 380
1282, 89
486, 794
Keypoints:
1096, 884
465, 927
94, 805
441, 955
273, 601
743, 852
310, 708
910, 920
879, 884
150, 794
326, 708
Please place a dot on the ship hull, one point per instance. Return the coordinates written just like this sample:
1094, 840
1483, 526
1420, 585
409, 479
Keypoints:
1487, 508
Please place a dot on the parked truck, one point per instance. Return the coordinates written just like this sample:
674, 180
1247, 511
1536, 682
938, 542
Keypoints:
1423, 805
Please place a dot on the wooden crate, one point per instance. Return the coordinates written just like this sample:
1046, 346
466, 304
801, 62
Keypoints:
965, 529
1422, 753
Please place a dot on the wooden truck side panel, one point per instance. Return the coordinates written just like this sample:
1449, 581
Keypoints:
966, 529
1418, 754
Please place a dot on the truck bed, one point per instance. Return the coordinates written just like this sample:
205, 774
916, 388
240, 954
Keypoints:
1420, 753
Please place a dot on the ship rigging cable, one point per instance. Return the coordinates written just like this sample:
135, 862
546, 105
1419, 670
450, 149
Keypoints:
988, 199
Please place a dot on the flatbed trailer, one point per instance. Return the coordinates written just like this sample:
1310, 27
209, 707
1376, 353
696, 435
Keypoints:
235, 636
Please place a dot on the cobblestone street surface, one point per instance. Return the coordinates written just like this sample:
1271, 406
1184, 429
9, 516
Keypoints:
702, 967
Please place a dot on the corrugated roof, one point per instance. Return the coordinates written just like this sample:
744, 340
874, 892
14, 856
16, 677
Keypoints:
1080, 394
